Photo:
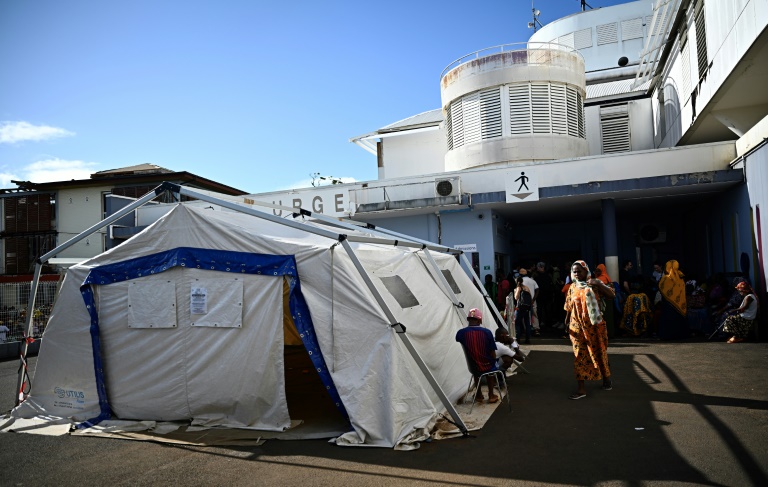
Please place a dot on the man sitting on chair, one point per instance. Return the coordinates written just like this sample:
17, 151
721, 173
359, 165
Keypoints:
507, 350
480, 349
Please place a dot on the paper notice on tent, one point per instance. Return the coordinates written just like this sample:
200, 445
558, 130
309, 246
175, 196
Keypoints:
521, 185
198, 301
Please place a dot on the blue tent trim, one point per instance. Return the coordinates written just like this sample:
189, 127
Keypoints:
207, 259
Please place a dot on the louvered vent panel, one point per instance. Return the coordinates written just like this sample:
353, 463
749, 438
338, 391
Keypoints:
471, 106
661, 17
566, 40
457, 123
582, 126
449, 127
614, 128
559, 109
540, 108
582, 39
573, 112
701, 42
606, 34
519, 110
631, 29
490, 113
686, 54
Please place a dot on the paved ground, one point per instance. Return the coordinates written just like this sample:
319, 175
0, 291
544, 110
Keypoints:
680, 413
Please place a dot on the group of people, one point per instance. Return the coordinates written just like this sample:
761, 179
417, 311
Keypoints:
660, 305
590, 298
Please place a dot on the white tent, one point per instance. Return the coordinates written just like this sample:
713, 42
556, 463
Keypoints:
190, 320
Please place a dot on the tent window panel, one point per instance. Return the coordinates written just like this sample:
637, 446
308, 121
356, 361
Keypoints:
216, 303
451, 281
152, 304
400, 291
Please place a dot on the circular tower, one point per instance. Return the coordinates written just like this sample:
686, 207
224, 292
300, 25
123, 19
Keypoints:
514, 103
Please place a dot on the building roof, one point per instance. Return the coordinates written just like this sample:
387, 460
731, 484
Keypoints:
425, 119
142, 174
137, 169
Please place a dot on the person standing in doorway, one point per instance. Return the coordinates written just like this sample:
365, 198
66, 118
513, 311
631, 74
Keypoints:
534, 290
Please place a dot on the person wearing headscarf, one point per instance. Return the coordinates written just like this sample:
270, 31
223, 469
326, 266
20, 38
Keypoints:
673, 323
586, 328
739, 321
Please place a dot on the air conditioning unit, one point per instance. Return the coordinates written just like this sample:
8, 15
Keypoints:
448, 187
650, 233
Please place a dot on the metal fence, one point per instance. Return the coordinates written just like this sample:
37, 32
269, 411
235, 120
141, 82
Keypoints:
14, 298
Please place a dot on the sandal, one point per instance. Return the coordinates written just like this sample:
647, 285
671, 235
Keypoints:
493, 399
576, 395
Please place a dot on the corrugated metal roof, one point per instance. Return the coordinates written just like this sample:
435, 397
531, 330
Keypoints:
612, 88
432, 117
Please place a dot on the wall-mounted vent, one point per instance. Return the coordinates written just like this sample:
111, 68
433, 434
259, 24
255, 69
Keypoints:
632, 29
582, 39
607, 34
447, 187
614, 129
651, 233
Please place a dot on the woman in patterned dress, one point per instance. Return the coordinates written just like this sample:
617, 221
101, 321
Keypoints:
673, 324
740, 321
586, 328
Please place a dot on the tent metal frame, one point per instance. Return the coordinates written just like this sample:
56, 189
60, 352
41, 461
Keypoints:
341, 238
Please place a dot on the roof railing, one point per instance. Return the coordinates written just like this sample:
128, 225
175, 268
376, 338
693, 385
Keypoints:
502, 48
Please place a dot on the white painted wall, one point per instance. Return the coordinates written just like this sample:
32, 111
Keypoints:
732, 26
78, 209
414, 154
603, 56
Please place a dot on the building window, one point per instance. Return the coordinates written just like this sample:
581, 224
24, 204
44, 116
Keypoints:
614, 129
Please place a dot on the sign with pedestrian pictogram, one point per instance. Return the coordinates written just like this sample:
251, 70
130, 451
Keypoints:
521, 185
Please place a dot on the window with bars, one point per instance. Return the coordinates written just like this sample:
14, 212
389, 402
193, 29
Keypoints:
614, 129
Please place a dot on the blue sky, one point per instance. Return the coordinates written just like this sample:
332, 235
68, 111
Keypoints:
255, 95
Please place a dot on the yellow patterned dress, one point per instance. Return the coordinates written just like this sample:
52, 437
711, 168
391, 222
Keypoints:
588, 333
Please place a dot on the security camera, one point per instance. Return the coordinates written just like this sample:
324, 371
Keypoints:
623, 61
480, 216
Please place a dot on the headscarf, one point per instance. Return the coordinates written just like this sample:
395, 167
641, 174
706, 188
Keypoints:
593, 306
604, 275
744, 286
672, 286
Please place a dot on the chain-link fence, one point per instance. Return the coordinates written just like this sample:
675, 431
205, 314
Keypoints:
14, 298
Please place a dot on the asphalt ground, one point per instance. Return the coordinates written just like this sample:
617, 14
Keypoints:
680, 413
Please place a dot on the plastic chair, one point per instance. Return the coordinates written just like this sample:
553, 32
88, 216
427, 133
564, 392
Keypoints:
500, 379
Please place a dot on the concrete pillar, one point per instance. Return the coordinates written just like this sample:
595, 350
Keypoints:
610, 240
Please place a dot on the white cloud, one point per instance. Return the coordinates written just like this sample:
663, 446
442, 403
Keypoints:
5, 179
58, 170
12, 132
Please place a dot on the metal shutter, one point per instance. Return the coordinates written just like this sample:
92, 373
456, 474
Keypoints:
632, 29
582, 39
573, 113
701, 40
457, 124
559, 109
614, 128
540, 108
566, 40
490, 113
607, 34
471, 108
519, 110
582, 126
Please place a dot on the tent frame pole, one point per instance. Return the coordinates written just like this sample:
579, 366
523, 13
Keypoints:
45, 257
400, 331
488, 300
442, 280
